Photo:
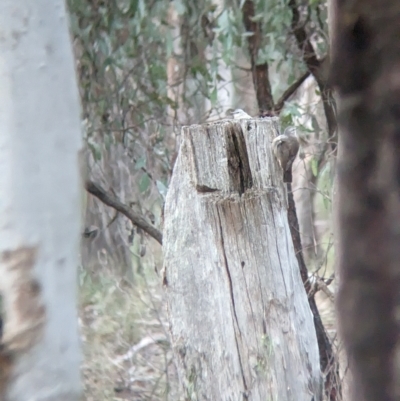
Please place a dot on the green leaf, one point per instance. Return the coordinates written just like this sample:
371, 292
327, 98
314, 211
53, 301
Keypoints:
169, 44
142, 8
293, 109
162, 189
201, 69
144, 183
214, 96
180, 7
314, 166
107, 141
223, 21
140, 163
315, 125
102, 45
257, 17
95, 149
326, 200
132, 8
108, 61
286, 119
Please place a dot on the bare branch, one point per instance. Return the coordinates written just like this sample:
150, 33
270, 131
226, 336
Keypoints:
303, 42
110, 200
321, 285
325, 346
316, 67
290, 91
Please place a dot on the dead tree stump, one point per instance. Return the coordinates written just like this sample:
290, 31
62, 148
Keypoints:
240, 324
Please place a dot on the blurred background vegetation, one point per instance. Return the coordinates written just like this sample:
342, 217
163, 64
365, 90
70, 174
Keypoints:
146, 68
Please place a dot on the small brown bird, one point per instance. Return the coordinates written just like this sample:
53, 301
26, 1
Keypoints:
285, 148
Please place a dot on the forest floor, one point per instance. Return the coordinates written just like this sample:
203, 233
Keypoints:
127, 354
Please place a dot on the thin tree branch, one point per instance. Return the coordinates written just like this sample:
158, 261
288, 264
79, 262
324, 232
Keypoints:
110, 200
316, 67
320, 285
303, 42
290, 91
324, 344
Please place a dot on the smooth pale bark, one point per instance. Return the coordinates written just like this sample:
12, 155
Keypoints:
183, 87
240, 322
39, 204
304, 182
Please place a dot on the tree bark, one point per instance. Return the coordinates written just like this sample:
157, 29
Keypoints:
365, 72
328, 363
241, 326
40, 203
259, 71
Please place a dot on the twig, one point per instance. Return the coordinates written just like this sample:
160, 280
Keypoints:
324, 344
290, 91
303, 42
316, 67
143, 343
321, 285
110, 200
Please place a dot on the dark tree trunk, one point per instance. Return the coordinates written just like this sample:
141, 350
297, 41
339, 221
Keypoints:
366, 73
329, 366
259, 72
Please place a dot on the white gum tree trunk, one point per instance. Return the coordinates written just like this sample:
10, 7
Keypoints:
240, 323
40, 211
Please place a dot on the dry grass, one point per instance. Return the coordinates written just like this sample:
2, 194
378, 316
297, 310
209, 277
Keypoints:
126, 349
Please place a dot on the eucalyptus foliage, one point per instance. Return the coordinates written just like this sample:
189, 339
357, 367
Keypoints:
123, 47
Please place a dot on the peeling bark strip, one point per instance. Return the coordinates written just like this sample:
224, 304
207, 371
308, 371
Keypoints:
366, 72
240, 322
25, 312
21, 299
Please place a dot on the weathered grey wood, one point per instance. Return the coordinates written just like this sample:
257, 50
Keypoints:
240, 323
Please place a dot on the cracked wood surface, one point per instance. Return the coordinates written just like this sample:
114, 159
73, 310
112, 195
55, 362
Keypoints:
240, 323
